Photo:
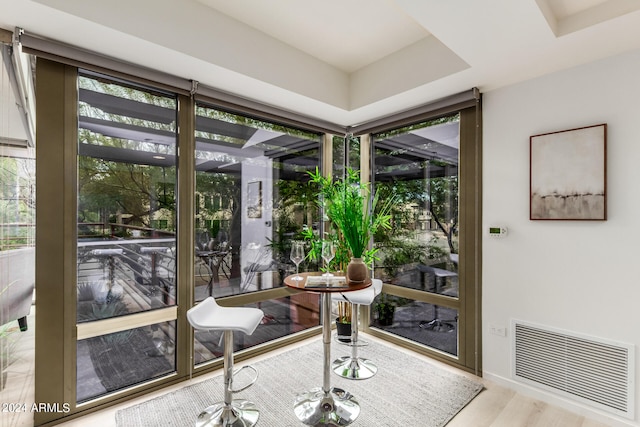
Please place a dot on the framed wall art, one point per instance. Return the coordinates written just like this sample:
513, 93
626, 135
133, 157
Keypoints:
254, 199
568, 174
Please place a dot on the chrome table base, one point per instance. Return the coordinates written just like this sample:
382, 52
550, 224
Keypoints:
354, 368
241, 413
326, 406
335, 408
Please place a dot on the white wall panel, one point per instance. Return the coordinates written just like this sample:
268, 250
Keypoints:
574, 275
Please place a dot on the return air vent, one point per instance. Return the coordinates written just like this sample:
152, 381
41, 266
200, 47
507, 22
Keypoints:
589, 370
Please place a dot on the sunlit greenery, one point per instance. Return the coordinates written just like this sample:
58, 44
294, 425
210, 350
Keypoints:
145, 195
425, 217
17, 202
348, 205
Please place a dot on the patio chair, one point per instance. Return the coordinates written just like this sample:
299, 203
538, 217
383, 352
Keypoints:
440, 275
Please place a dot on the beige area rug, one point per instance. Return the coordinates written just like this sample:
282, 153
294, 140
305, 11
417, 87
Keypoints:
406, 391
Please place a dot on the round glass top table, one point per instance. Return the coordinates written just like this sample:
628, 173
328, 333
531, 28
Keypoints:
326, 405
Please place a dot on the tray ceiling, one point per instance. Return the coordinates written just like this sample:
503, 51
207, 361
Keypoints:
344, 61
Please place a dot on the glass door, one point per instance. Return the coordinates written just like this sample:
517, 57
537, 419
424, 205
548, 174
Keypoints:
419, 166
251, 202
126, 247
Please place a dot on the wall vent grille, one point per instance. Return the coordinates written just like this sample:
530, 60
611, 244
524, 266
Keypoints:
589, 370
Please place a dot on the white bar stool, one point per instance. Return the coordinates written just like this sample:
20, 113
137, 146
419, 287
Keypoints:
208, 315
353, 367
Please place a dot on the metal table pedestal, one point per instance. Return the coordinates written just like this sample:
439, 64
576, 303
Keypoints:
326, 406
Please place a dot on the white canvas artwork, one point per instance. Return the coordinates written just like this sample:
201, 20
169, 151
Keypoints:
568, 174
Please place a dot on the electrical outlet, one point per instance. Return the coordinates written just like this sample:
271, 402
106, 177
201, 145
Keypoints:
500, 331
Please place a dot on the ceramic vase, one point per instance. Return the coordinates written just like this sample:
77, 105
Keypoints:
357, 271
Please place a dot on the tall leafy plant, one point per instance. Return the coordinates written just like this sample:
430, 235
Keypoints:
314, 242
348, 205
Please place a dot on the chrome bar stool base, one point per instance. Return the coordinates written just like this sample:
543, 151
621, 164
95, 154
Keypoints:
354, 368
241, 413
319, 408
437, 325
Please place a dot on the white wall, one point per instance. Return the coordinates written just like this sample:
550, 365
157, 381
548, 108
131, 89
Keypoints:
256, 230
576, 276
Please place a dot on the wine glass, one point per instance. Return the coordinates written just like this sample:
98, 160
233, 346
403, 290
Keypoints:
328, 252
297, 255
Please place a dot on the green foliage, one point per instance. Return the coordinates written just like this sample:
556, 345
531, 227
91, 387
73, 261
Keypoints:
98, 304
437, 194
109, 188
217, 202
399, 252
293, 197
107, 310
339, 261
314, 244
113, 307
384, 307
281, 244
384, 312
292, 202
357, 216
17, 202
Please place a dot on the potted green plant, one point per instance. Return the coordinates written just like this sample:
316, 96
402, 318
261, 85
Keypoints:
343, 321
385, 308
349, 207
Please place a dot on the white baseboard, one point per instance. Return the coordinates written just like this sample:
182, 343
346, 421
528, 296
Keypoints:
560, 401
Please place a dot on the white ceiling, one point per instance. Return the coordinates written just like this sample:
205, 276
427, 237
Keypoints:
345, 34
344, 61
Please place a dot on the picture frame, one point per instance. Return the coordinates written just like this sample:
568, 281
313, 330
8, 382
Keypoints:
567, 174
254, 199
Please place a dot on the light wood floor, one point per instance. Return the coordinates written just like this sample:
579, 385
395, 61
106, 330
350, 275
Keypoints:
495, 406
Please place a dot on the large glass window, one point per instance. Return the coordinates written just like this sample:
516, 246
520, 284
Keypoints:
418, 165
126, 229
17, 233
251, 202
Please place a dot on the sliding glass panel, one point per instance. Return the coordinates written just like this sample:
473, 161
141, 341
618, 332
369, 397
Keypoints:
251, 201
126, 260
126, 199
418, 166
